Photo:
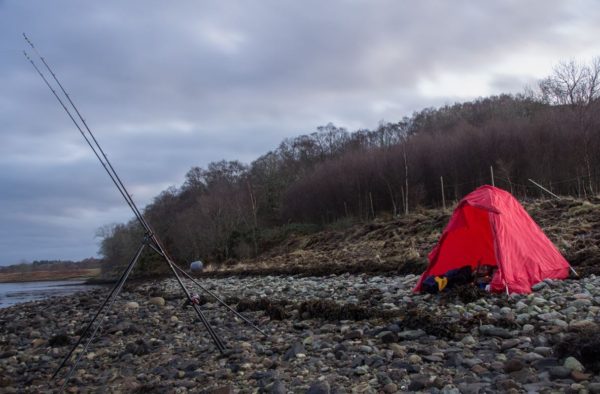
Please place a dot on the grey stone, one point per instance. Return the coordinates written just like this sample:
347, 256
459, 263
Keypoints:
418, 382
411, 334
509, 343
278, 387
319, 387
543, 350
494, 331
388, 337
294, 350
573, 364
559, 372
158, 301
361, 370
594, 388
513, 365
354, 334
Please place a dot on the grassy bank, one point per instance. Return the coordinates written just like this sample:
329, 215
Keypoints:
35, 276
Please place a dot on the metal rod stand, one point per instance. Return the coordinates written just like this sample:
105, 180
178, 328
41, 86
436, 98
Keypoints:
114, 294
216, 297
220, 301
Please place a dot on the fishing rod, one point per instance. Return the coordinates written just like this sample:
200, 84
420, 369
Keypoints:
96, 146
150, 239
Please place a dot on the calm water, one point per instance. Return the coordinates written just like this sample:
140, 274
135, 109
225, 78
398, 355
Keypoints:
14, 293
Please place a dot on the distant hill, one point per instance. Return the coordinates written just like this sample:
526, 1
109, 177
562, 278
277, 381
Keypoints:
50, 270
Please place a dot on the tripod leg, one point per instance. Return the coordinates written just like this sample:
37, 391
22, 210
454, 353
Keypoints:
201, 316
93, 320
221, 301
116, 293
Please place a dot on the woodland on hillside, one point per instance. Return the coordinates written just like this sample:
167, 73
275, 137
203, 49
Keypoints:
231, 210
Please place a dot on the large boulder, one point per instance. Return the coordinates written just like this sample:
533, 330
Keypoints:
196, 266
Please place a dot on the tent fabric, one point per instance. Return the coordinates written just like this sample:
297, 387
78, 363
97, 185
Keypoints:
490, 227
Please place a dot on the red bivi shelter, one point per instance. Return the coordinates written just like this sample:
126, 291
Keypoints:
489, 226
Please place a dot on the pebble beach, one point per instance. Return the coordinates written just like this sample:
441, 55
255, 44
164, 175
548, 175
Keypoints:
334, 334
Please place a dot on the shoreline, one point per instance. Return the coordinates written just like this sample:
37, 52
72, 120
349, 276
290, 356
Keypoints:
44, 276
84, 280
338, 332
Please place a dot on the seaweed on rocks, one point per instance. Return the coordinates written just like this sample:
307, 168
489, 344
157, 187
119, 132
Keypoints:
59, 340
418, 318
138, 348
466, 293
330, 310
414, 317
582, 344
275, 309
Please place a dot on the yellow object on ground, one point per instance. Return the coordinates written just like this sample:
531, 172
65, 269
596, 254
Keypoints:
441, 281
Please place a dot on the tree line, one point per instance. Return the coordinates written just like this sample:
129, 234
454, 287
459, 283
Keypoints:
230, 210
52, 265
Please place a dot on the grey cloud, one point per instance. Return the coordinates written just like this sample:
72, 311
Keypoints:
166, 87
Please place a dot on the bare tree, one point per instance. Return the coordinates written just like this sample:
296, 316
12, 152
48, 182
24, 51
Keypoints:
576, 85
572, 83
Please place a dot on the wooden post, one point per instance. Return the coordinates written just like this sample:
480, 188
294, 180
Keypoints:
443, 197
405, 177
492, 174
403, 199
372, 209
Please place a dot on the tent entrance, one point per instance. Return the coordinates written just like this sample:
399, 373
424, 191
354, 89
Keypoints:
469, 242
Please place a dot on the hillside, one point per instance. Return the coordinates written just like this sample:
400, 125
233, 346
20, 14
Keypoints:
49, 270
400, 245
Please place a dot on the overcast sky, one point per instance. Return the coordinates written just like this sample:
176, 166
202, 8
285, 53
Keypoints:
170, 85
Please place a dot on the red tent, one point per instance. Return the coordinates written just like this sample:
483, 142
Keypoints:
489, 226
